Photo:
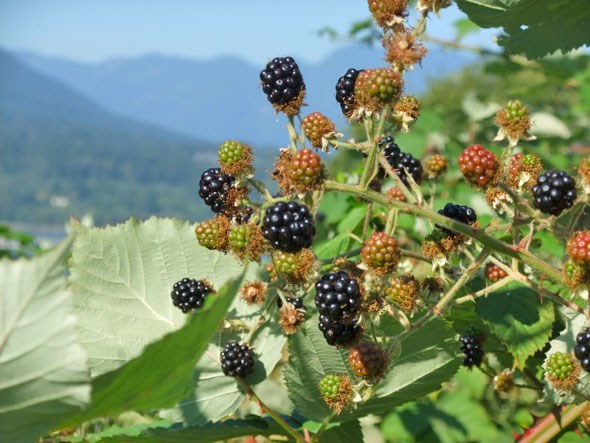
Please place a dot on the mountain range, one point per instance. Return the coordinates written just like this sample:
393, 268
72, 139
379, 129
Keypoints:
221, 99
130, 137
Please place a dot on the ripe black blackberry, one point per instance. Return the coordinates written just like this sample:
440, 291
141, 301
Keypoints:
554, 192
582, 349
345, 91
188, 294
460, 213
297, 302
471, 347
288, 226
281, 80
337, 296
339, 333
237, 360
399, 160
214, 188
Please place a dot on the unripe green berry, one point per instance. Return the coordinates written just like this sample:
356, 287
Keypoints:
330, 386
559, 366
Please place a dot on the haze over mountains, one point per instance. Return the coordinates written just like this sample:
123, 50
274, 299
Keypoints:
130, 137
220, 99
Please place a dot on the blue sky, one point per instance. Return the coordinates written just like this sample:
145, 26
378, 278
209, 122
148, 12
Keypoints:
256, 30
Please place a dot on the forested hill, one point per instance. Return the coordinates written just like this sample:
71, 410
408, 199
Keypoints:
61, 155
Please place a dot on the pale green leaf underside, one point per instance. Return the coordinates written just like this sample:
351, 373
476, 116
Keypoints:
43, 375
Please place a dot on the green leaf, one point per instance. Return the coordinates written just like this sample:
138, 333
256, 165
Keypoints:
354, 217
43, 374
122, 277
533, 27
212, 432
166, 367
518, 318
215, 396
349, 432
429, 357
333, 247
310, 360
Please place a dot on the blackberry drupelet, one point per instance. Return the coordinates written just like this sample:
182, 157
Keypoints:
188, 294
214, 188
460, 213
471, 347
339, 333
288, 226
337, 296
281, 80
237, 360
399, 160
554, 192
345, 91
582, 349
297, 302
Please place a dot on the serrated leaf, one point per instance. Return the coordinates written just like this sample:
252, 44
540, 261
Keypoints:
333, 247
533, 27
122, 277
517, 317
43, 374
349, 432
166, 367
429, 357
215, 395
310, 360
354, 217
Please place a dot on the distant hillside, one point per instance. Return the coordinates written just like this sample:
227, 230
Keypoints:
221, 99
61, 155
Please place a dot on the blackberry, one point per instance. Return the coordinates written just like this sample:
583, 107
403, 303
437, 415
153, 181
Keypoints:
578, 248
582, 349
188, 294
237, 360
214, 188
288, 226
282, 81
478, 165
559, 366
297, 302
337, 295
471, 347
367, 360
339, 333
345, 91
380, 252
399, 160
554, 192
463, 214
494, 272
330, 386
316, 127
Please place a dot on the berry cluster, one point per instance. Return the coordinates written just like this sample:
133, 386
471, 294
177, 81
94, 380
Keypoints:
189, 294
559, 366
214, 187
288, 226
367, 360
494, 272
338, 300
345, 91
472, 350
401, 161
478, 165
554, 192
578, 248
237, 360
582, 349
282, 81
380, 252
460, 213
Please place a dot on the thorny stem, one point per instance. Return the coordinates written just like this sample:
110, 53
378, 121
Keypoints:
276, 417
477, 234
550, 426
